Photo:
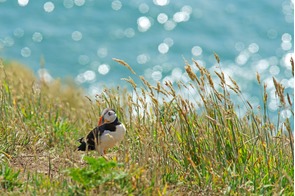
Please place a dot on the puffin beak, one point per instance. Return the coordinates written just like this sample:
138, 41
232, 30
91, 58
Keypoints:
100, 122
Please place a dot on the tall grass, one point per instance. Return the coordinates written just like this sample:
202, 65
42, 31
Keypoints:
175, 144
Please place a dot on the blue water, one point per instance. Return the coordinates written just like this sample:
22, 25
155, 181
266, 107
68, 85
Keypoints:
78, 39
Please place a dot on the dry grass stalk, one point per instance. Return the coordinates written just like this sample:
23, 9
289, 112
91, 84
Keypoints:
235, 83
172, 91
124, 64
264, 93
292, 65
221, 77
258, 77
159, 89
289, 99
249, 104
211, 83
213, 120
130, 81
190, 73
234, 89
217, 58
197, 64
279, 91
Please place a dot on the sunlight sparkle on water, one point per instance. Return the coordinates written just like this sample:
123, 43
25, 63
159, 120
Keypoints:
18, 32
142, 58
37, 37
274, 70
143, 8
116, 5
89, 75
163, 48
68, 3
79, 2
77, 35
169, 25
144, 23
162, 18
102, 52
242, 58
181, 17
286, 114
129, 32
253, 48
169, 41
286, 41
48, 6
262, 65
161, 2
8, 41
23, 2
157, 75
197, 50
25, 52
103, 69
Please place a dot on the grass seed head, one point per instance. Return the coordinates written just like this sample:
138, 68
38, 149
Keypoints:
292, 64
130, 81
190, 73
125, 65
289, 99
258, 77
211, 83
217, 58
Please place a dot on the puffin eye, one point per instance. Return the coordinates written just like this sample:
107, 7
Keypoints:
109, 113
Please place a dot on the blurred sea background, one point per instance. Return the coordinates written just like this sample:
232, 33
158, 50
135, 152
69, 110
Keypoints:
79, 38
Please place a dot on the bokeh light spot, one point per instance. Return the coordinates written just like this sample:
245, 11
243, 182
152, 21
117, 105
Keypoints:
157, 75
8, 41
169, 25
142, 58
162, 18
48, 6
129, 32
253, 48
68, 3
197, 51
163, 48
79, 2
169, 41
23, 2
116, 5
103, 69
102, 52
18, 32
161, 2
25, 52
143, 8
77, 35
144, 23
37, 37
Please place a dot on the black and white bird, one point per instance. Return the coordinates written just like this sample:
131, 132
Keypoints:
109, 132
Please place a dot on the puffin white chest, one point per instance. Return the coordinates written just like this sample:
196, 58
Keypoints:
110, 138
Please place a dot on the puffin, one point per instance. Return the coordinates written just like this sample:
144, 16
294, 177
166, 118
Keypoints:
109, 132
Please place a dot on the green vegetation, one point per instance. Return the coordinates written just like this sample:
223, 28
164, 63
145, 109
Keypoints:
173, 146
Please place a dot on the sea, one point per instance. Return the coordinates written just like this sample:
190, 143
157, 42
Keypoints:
78, 39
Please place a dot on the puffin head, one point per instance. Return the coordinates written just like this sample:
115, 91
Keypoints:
108, 116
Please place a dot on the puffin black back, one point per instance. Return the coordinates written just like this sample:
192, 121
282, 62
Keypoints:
94, 134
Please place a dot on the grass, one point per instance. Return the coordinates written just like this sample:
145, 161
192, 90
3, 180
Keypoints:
175, 144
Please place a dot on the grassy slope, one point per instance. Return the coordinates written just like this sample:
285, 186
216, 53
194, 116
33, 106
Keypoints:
170, 146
